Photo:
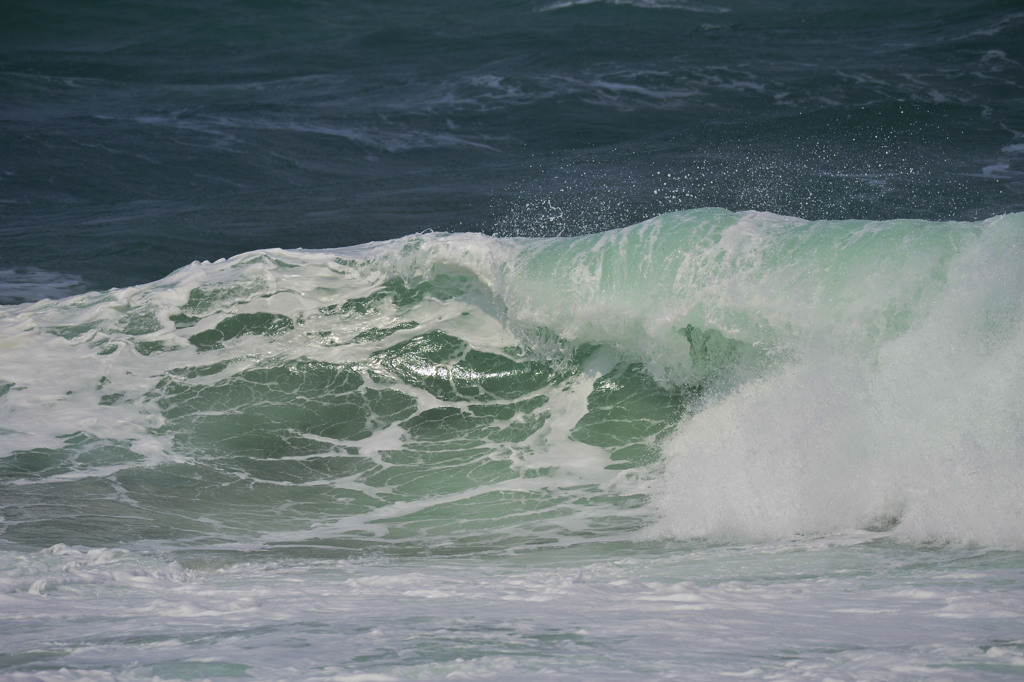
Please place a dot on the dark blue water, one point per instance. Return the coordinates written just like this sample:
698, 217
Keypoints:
136, 137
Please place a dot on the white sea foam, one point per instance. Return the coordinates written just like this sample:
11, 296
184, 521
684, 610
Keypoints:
644, 4
792, 610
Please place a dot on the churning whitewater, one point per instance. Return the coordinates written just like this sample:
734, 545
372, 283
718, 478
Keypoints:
453, 455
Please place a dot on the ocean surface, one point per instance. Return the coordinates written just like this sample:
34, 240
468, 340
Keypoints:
518, 340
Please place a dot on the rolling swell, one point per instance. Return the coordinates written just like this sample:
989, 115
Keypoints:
702, 374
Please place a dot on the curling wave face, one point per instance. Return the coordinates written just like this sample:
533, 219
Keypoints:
701, 374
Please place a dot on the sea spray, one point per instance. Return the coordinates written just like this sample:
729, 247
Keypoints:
920, 432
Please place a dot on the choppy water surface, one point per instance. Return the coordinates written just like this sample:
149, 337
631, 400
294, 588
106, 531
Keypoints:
136, 139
